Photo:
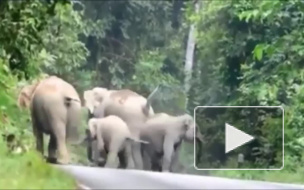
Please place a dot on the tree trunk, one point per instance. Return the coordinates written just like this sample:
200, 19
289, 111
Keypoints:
190, 52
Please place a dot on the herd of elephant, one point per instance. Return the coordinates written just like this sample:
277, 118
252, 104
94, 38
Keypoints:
122, 129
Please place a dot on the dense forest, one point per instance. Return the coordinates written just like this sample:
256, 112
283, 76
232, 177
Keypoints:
246, 52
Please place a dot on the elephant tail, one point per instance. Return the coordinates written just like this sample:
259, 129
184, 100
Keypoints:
136, 140
73, 118
68, 101
147, 106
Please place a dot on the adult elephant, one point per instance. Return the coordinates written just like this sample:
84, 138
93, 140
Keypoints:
56, 111
131, 107
91, 144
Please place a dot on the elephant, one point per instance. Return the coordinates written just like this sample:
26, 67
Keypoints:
90, 144
25, 95
165, 133
120, 99
199, 140
131, 107
113, 140
55, 109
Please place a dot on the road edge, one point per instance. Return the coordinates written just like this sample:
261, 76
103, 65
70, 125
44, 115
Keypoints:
80, 186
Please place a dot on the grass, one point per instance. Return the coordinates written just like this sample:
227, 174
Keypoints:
280, 176
30, 171
292, 173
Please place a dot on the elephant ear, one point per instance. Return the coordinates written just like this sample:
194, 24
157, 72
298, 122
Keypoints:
23, 100
89, 100
99, 94
25, 95
188, 121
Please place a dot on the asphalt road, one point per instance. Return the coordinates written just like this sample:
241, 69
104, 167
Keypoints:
104, 178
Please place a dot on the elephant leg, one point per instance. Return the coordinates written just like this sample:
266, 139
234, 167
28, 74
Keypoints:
52, 148
38, 136
95, 154
101, 152
156, 166
129, 158
156, 161
60, 135
146, 160
90, 151
111, 160
123, 158
168, 148
91, 147
175, 159
115, 146
39, 141
101, 157
149, 157
136, 154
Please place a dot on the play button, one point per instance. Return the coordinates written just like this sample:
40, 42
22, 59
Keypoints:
239, 137
235, 138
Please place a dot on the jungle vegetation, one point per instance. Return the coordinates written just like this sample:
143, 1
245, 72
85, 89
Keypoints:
246, 52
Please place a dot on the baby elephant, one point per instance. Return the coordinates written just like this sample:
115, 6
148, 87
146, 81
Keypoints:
165, 134
113, 140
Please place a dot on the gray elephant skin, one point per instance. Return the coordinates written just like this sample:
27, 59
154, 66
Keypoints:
55, 109
114, 140
165, 133
131, 107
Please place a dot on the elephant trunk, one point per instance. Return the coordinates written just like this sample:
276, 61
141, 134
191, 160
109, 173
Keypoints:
89, 145
98, 112
198, 135
89, 152
90, 115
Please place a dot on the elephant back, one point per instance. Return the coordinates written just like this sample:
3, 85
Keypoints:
126, 104
124, 95
58, 85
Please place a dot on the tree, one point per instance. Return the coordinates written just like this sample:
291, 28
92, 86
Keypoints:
190, 51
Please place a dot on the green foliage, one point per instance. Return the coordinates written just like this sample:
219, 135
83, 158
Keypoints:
149, 68
19, 170
29, 171
273, 176
250, 53
25, 26
21, 34
10, 119
137, 44
63, 51
247, 53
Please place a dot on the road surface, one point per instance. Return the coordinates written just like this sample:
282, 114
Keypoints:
104, 178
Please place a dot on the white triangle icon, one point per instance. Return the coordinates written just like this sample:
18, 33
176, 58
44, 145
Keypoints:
235, 138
